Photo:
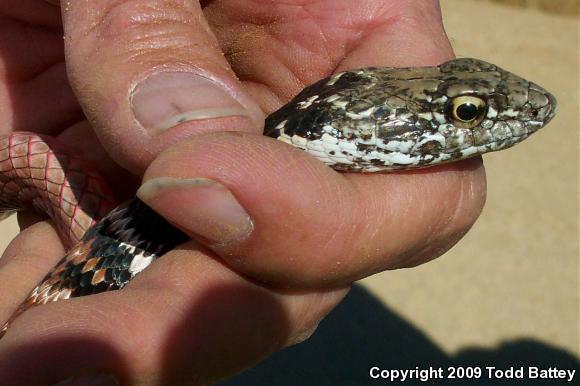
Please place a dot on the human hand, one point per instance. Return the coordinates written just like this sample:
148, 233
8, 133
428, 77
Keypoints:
292, 223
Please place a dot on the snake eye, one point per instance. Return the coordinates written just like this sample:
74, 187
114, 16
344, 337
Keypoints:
466, 111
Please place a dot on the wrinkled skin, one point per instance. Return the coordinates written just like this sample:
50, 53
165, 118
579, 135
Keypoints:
202, 312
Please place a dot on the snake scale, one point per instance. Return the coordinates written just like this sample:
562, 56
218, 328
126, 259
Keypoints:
372, 119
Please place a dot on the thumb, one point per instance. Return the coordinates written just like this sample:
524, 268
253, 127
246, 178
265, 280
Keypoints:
150, 73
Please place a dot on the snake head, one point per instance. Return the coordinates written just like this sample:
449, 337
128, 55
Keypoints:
478, 107
396, 118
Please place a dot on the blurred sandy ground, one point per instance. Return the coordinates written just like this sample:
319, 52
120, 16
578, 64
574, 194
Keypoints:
563, 7
516, 272
508, 292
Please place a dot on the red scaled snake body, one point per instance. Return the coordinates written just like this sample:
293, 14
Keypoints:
373, 119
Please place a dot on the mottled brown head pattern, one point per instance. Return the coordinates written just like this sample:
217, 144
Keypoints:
389, 118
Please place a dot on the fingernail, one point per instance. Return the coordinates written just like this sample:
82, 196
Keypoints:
89, 380
166, 99
201, 206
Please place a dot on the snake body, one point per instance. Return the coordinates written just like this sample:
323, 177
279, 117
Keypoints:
365, 120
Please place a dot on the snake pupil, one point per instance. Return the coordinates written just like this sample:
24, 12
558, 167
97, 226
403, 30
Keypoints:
467, 111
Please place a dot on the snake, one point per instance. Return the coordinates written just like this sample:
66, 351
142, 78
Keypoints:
366, 120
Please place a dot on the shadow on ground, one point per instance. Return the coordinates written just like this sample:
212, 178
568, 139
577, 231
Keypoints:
362, 332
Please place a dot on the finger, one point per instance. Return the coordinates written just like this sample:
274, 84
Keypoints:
25, 262
409, 33
301, 43
34, 90
43, 104
34, 12
279, 215
188, 320
27, 50
149, 74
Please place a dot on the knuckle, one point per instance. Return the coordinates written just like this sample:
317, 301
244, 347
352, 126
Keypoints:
138, 28
127, 17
